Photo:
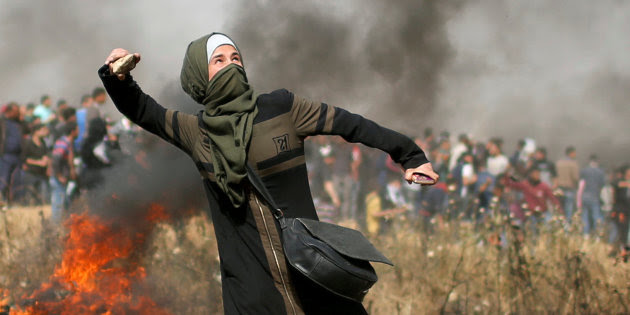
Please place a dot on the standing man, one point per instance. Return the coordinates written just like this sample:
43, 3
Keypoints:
547, 168
497, 162
62, 170
67, 115
56, 122
99, 96
341, 177
461, 147
44, 110
484, 187
519, 158
622, 207
537, 196
592, 180
429, 142
85, 114
11, 132
568, 174
465, 178
238, 127
35, 167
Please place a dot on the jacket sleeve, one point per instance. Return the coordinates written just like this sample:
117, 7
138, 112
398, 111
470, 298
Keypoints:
314, 118
173, 126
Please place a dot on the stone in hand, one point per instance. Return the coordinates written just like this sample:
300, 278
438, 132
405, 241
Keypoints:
124, 64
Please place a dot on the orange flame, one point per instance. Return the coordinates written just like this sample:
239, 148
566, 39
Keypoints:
99, 270
157, 213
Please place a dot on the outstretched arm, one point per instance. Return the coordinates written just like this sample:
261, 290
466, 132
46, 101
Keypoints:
313, 118
550, 196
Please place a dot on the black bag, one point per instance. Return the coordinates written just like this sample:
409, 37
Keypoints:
335, 257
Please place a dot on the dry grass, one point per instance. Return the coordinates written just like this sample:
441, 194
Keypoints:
460, 270
463, 271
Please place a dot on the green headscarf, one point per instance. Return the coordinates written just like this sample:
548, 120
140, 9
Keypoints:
230, 109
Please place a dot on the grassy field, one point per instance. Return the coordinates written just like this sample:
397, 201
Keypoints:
492, 269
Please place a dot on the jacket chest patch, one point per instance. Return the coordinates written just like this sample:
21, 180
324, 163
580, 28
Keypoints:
282, 143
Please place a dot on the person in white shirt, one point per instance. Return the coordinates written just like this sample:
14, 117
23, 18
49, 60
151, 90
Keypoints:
458, 149
497, 162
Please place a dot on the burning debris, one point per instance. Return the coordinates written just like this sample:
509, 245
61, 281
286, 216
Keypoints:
100, 271
103, 267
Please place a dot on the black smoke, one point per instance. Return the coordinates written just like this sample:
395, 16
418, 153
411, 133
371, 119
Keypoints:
382, 59
555, 71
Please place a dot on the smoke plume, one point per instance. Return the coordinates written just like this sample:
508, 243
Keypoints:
554, 71
376, 58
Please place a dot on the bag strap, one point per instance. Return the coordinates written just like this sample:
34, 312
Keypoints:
262, 189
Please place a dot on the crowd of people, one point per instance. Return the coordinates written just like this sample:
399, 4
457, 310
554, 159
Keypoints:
50, 154
477, 181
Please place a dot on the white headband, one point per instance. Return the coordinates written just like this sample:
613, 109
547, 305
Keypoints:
215, 41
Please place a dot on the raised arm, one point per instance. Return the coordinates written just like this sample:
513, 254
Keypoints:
172, 126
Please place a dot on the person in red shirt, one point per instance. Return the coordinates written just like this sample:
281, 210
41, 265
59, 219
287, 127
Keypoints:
536, 193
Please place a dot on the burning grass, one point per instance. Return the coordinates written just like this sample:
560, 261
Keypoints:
173, 268
98, 270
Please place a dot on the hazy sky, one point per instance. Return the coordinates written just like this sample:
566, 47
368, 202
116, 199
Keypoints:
554, 70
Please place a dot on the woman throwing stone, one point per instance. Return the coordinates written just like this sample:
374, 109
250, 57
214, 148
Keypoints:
239, 126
